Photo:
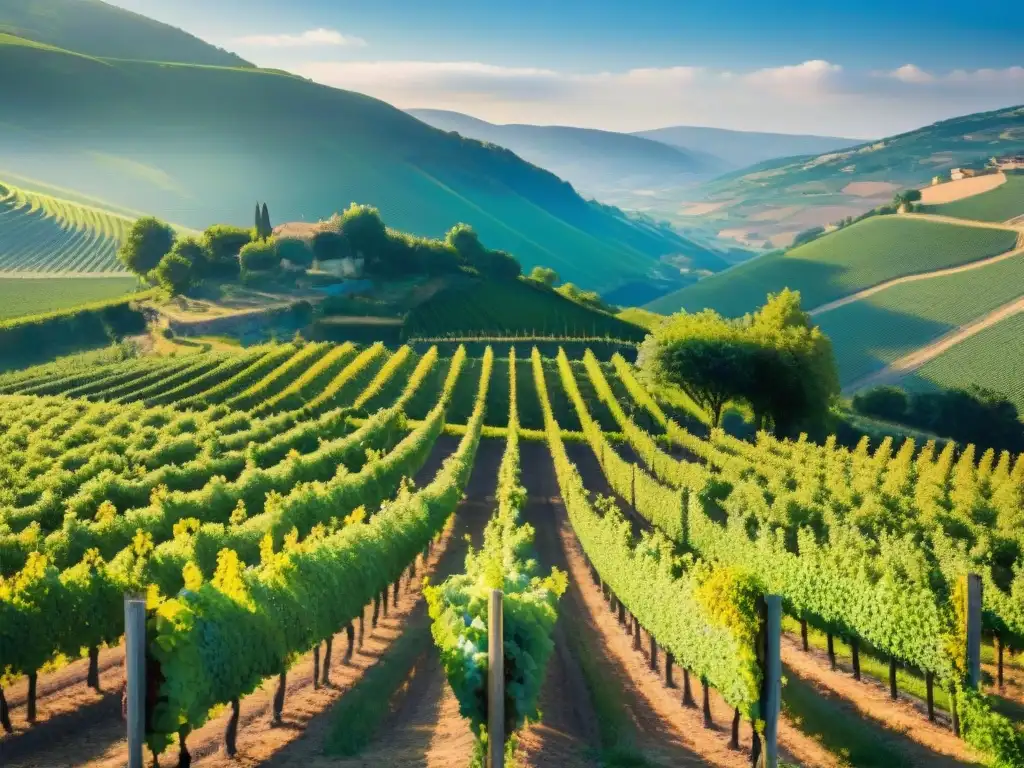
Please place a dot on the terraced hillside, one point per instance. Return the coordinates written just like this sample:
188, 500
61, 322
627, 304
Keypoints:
42, 234
870, 333
841, 263
264, 507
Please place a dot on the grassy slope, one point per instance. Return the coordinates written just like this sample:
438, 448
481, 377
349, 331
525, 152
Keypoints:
857, 257
993, 358
500, 309
196, 144
99, 29
871, 333
1000, 204
34, 297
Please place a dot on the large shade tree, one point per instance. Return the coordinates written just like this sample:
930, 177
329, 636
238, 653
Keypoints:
148, 241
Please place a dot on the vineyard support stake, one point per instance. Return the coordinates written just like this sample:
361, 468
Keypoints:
326, 678
495, 682
687, 691
282, 683
93, 677
803, 635
893, 693
135, 672
33, 677
669, 683
855, 650
316, 665
974, 630
831, 651
929, 684
654, 652
636, 635
734, 742
706, 703
350, 636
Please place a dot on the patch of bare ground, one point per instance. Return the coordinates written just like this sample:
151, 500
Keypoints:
869, 188
951, 191
913, 738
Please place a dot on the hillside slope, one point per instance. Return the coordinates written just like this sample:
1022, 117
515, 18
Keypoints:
592, 160
739, 149
197, 144
789, 195
100, 29
859, 256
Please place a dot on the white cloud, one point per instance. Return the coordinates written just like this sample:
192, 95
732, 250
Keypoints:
810, 97
309, 39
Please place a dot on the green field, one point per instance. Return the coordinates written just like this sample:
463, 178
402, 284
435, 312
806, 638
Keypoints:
509, 308
869, 334
1003, 203
993, 358
31, 296
857, 257
45, 234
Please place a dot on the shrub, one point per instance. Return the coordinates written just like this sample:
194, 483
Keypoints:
888, 403
295, 250
259, 256
544, 276
174, 273
149, 240
225, 242
330, 245
195, 252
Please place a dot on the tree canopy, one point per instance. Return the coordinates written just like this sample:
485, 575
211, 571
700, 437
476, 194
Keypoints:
259, 256
149, 240
775, 360
545, 276
174, 273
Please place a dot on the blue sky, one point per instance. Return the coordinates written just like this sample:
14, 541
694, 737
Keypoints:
864, 68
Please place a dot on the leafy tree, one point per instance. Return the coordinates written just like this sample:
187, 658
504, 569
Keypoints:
364, 229
295, 250
888, 403
174, 273
268, 229
149, 240
472, 253
225, 241
774, 360
587, 298
545, 276
259, 256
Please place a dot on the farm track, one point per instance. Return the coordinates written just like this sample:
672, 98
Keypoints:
961, 222
916, 359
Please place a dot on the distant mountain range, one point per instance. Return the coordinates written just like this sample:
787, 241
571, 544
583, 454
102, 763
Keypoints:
592, 160
197, 144
739, 149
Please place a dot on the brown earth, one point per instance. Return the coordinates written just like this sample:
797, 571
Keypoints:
951, 191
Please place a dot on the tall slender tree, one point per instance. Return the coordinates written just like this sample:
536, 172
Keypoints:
268, 230
259, 222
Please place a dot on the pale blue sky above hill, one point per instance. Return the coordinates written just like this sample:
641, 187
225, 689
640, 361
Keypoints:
852, 68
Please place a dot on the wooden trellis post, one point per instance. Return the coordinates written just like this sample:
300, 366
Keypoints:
135, 673
974, 630
495, 682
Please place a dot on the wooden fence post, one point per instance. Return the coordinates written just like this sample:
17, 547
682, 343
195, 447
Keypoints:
495, 682
974, 630
135, 671
771, 693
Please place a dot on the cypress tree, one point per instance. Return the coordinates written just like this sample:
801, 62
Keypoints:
259, 223
268, 230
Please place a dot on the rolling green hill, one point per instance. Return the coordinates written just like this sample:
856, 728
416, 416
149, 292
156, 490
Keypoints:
197, 144
859, 256
870, 333
1003, 203
779, 197
99, 29
508, 309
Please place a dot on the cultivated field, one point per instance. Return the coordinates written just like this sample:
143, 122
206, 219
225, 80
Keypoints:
41, 234
35, 296
870, 333
993, 358
259, 496
1002, 203
952, 191
844, 262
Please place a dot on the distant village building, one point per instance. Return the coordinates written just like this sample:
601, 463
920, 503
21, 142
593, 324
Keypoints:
936, 180
1008, 163
961, 173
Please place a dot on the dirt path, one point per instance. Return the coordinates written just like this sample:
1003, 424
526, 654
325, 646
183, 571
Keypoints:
915, 278
960, 222
916, 359
916, 741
